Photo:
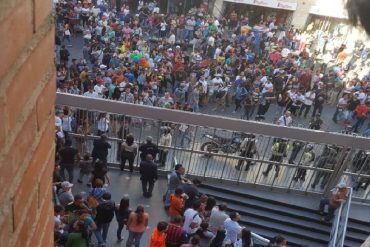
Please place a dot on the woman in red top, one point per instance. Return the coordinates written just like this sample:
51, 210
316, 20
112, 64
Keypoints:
137, 224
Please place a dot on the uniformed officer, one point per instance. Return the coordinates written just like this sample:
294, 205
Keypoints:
279, 151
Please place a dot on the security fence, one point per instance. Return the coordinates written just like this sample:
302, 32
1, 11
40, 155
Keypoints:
211, 147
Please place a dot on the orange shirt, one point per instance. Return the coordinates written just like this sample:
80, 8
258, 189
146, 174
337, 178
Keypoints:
158, 239
176, 205
132, 224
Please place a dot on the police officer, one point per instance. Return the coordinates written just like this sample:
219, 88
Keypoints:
307, 157
327, 160
148, 148
279, 151
247, 149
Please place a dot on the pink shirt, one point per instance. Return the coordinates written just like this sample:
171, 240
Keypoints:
132, 223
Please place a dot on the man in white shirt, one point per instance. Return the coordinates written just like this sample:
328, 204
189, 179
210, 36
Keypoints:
285, 120
91, 93
232, 228
192, 220
100, 89
309, 97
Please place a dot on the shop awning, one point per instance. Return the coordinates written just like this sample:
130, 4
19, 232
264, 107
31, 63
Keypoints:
276, 4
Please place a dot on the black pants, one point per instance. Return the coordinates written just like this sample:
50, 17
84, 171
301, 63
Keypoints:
162, 157
306, 109
301, 174
130, 156
148, 185
295, 152
317, 108
241, 162
69, 168
275, 158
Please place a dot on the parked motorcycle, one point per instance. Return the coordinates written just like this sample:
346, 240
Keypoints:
215, 144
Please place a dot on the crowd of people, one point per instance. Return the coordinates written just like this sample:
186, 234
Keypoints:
194, 220
189, 61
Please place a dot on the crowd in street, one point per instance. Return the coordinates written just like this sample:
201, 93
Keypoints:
189, 61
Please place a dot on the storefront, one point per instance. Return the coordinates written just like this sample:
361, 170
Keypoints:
333, 24
256, 9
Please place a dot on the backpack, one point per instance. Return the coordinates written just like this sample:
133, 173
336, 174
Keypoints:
93, 202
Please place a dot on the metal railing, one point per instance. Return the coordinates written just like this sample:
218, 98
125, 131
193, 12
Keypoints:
191, 131
339, 227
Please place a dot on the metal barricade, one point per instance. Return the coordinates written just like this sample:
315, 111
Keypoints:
193, 136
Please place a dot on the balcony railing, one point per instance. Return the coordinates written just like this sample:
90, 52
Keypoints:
190, 132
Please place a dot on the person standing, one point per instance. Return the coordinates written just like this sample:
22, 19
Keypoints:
339, 196
175, 180
148, 148
192, 219
128, 152
104, 215
232, 228
136, 224
67, 156
164, 141
100, 149
361, 113
285, 120
122, 213
247, 149
279, 151
149, 174
176, 236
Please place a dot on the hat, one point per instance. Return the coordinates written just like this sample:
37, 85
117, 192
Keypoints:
341, 185
178, 47
66, 184
102, 66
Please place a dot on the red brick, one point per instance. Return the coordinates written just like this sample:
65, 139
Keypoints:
10, 162
45, 184
3, 125
5, 230
44, 108
29, 221
48, 238
46, 214
31, 176
17, 29
28, 78
42, 10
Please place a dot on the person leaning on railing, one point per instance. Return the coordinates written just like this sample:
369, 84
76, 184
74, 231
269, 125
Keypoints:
339, 195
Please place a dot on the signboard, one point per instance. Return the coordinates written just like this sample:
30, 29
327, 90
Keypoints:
331, 12
276, 4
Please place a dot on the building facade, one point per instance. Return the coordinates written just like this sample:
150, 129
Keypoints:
27, 131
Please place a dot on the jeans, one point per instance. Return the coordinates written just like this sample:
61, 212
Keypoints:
195, 107
359, 123
119, 229
134, 239
331, 210
162, 157
69, 168
148, 185
101, 233
68, 37
317, 108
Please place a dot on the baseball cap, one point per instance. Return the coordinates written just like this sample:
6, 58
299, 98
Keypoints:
66, 184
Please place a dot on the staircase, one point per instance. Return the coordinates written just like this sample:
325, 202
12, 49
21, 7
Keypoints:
299, 225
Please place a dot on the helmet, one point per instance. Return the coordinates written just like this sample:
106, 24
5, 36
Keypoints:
309, 147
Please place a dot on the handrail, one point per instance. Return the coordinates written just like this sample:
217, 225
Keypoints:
339, 228
211, 121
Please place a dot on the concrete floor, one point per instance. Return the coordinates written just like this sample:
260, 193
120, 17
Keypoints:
124, 185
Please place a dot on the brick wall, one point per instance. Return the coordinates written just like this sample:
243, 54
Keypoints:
27, 94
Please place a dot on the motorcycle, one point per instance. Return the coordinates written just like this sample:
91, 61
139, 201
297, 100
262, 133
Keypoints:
216, 143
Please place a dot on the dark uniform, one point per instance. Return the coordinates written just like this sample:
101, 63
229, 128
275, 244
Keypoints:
279, 151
